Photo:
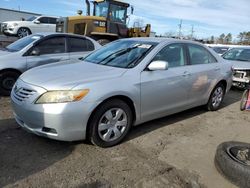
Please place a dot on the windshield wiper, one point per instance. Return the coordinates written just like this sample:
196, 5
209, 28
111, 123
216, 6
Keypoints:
116, 54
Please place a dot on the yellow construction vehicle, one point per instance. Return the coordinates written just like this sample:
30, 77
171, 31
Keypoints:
108, 22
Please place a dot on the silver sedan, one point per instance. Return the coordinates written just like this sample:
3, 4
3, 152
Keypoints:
125, 83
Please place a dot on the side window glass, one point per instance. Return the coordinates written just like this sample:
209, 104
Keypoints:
117, 13
173, 54
80, 45
199, 55
52, 20
44, 20
51, 46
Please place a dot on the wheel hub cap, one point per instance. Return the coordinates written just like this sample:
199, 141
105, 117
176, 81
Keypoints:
112, 124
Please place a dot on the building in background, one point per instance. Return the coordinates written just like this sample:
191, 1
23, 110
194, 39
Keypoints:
14, 15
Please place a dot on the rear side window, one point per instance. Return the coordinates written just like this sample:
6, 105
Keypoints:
51, 46
173, 54
52, 20
80, 45
200, 55
44, 20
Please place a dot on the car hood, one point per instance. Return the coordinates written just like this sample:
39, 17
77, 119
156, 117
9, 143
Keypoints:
243, 65
4, 53
18, 22
69, 74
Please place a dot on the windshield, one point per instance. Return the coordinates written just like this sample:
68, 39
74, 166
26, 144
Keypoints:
101, 9
238, 54
22, 43
122, 54
31, 18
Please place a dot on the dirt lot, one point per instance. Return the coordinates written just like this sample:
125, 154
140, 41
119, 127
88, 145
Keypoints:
176, 151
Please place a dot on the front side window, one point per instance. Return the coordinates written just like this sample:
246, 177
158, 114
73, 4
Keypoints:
237, 54
173, 54
118, 13
200, 55
80, 45
122, 54
31, 18
22, 43
51, 46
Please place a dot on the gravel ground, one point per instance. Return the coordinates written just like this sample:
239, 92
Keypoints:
175, 151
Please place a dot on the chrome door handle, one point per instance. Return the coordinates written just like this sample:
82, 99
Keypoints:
217, 69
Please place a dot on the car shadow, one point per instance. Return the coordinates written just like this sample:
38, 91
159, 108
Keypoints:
234, 96
23, 154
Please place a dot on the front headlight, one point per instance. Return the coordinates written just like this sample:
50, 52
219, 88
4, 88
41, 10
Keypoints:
13, 24
62, 96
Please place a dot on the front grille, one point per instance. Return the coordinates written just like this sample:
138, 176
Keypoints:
23, 94
239, 74
3, 26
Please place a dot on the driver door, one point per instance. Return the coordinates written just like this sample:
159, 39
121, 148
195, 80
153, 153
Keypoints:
165, 92
48, 51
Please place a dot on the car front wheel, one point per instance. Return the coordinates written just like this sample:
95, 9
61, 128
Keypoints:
23, 32
110, 123
7, 80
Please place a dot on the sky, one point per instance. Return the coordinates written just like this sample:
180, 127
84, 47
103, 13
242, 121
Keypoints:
208, 17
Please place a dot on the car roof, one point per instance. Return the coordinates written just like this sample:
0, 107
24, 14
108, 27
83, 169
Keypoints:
45, 34
162, 40
241, 47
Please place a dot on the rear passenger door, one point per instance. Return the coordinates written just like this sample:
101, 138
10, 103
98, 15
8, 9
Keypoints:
79, 47
203, 72
52, 25
50, 50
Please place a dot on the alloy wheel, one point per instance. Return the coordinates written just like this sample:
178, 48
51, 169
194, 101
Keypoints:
22, 32
217, 97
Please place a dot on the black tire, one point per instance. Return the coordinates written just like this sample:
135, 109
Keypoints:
103, 41
94, 136
23, 32
210, 105
243, 101
235, 171
7, 80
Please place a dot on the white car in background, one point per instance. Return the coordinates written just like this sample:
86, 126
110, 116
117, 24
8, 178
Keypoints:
35, 24
240, 57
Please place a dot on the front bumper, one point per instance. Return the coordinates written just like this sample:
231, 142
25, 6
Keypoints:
9, 30
64, 121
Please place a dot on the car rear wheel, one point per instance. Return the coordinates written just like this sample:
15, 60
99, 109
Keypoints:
7, 80
216, 97
110, 123
23, 32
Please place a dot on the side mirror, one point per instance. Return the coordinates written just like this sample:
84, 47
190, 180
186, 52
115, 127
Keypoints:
37, 22
35, 52
158, 65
